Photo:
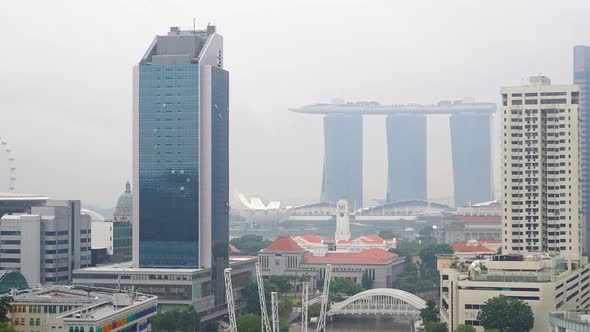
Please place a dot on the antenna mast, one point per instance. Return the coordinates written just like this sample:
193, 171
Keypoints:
325, 293
274, 303
262, 299
304, 306
229, 298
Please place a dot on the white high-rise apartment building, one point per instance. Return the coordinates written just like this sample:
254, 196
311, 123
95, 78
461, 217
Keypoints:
541, 169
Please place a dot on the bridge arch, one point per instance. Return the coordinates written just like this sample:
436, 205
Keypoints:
380, 301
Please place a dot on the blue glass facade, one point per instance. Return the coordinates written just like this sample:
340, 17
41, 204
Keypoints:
220, 179
582, 78
168, 165
343, 159
406, 157
472, 157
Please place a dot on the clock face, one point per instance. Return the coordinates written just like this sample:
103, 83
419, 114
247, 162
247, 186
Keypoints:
341, 214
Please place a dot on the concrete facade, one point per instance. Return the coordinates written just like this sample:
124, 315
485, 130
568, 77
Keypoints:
46, 244
541, 170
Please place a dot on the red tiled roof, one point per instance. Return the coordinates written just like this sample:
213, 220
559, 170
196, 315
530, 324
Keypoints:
233, 248
369, 256
312, 238
283, 243
463, 247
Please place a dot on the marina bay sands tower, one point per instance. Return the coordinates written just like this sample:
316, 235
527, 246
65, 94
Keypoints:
405, 125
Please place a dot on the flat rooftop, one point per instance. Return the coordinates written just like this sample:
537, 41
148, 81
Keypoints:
374, 108
128, 267
22, 197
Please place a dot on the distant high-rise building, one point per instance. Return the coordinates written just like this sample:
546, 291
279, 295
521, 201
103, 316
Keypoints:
582, 78
541, 169
472, 157
406, 157
180, 155
343, 159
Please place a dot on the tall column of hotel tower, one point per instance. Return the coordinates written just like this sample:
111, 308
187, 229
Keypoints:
582, 78
472, 164
343, 159
406, 157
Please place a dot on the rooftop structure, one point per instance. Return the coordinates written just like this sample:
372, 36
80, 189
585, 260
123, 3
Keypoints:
19, 202
79, 309
374, 108
478, 222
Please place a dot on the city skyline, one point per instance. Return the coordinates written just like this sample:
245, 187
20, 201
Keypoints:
82, 105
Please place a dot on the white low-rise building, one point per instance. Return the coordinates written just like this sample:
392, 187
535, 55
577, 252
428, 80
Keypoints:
81, 309
541, 281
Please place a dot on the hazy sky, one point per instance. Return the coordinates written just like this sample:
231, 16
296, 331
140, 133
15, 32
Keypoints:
65, 80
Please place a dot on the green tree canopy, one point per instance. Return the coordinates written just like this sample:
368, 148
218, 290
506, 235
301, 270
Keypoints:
250, 244
428, 253
465, 328
345, 286
186, 320
506, 314
436, 327
249, 323
430, 313
387, 234
5, 307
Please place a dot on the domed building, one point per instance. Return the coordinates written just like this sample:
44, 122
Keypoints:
124, 208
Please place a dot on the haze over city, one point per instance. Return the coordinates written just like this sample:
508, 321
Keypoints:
66, 81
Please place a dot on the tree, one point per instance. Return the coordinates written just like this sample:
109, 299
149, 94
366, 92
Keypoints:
250, 244
428, 253
249, 323
436, 327
314, 310
430, 313
282, 282
345, 286
186, 320
465, 328
6, 327
506, 314
5, 307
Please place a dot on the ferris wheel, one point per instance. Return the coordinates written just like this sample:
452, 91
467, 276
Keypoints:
11, 169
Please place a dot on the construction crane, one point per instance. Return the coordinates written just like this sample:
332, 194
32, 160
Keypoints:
304, 306
274, 303
229, 298
325, 293
262, 299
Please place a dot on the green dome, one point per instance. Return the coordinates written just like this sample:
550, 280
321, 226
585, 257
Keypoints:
125, 201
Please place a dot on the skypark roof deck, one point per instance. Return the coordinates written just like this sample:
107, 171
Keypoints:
374, 108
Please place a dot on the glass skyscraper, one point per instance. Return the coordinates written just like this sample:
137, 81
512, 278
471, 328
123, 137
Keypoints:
181, 147
582, 78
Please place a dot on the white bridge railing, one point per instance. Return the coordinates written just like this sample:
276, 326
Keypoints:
381, 301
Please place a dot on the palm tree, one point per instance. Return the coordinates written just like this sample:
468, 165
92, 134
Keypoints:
5, 307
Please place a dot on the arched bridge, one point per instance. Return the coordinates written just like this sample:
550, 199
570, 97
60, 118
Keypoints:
382, 301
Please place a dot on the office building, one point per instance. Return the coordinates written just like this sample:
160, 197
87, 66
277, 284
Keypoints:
541, 149
343, 159
175, 288
405, 125
81, 309
47, 243
582, 79
180, 155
